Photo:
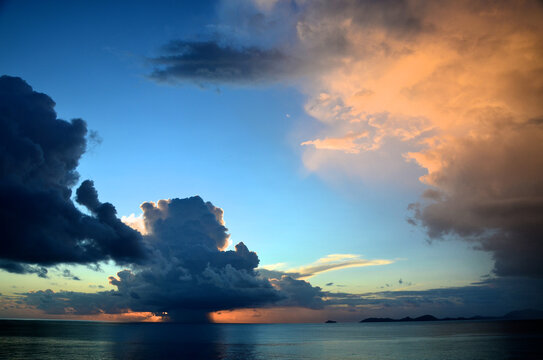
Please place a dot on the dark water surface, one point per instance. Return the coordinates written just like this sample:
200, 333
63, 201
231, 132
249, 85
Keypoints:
493, 340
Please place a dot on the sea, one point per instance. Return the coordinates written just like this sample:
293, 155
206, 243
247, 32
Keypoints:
462, 340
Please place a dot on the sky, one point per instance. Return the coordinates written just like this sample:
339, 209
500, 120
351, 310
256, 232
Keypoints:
270, 160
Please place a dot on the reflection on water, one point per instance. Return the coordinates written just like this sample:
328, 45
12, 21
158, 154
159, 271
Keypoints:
432, 340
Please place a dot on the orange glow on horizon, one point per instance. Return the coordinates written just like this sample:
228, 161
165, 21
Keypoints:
134, 316
268, 315
129, 317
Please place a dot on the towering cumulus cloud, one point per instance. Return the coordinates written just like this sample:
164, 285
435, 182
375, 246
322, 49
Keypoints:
188, 273
454, 87
40, 224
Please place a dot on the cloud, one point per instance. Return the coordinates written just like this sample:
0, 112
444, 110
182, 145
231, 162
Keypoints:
298, 293
328, 263
489, 191
76, 303
346, 143
451, 89
458, 99
335, 262
68, 274
135, 222
188, 274
18, 268
491, 297
210, 62
272, 267
41, 225
178, 266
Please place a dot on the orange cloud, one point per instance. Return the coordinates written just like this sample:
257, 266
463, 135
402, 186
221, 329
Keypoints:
346, 143
450, 90
135, 222
464, 70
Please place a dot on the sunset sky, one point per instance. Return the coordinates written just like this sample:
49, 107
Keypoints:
374, 158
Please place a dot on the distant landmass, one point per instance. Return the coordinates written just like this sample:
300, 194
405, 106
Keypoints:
330, 322
527, 314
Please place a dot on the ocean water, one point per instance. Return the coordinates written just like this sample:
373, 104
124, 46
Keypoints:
493, 340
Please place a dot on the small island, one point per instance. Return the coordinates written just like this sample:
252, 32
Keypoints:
526, 314
330, 322
420, 318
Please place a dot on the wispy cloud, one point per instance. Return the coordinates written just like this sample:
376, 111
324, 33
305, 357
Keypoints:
347, 143
276, 266
335, 262
328, 263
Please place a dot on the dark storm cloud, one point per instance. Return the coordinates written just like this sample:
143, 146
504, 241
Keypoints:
40, 224
188, 274
497, 206
18, 268
212, 62
299, 293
